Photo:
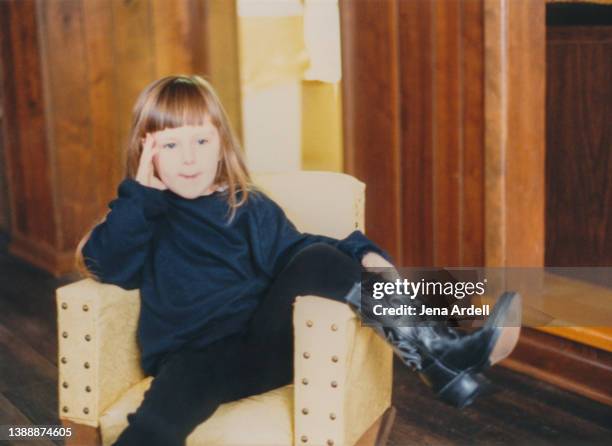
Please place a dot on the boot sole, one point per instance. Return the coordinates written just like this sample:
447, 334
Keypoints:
506, 337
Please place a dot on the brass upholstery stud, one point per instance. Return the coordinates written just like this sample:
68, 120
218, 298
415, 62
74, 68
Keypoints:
64, 360
305, 411
305, 381
309, 323
65, 334
87, 389
87, 338
332, 416
65, 385
334, 384
334, 358
85, 307
86, 365
330, 442
304, 438
65, 408
334, 327
306, 355
85, 410
64, 305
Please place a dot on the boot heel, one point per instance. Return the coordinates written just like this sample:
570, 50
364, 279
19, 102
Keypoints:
463, 389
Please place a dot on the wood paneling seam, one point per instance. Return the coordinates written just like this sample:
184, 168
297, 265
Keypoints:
460, 124
49, 116
434, 216
496, 103
398, 136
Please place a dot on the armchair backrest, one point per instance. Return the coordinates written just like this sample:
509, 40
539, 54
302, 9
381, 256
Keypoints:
326, 203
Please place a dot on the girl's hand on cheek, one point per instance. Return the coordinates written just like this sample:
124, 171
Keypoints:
146, 169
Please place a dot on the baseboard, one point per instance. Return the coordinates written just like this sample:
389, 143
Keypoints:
576, 367
5, 239
41, 256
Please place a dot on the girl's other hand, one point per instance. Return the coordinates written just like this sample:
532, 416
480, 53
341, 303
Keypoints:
375, 260
146, 169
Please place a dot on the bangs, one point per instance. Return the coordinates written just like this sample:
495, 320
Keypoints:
179, 103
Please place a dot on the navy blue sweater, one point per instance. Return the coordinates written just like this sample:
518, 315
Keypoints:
200, 278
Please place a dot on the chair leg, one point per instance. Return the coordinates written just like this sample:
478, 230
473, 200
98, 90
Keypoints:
82, 435
378, 433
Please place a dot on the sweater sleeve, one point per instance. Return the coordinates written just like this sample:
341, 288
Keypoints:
279, 239
118, 247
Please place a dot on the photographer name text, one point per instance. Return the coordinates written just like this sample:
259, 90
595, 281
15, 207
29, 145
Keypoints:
408, 310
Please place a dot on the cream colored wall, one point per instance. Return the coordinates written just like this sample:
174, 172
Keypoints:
272, 63
272, 127
288, 123
321, 126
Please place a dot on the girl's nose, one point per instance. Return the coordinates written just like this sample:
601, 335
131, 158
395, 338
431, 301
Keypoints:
188, 154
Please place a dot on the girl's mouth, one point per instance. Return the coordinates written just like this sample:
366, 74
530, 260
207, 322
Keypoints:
190, 177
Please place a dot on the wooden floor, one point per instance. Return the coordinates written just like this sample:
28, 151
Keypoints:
521, 411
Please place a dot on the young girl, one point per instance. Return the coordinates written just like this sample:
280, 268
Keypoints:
219, 264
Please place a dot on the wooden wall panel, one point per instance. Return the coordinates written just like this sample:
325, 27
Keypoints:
496, 133
102, 148
471, 145
72, 70
372, 115
416, 60
447, 128
25, 144
438, 210
220, 46
134, 60
579, 142
469, 134
7, 121
526, 84
171, 37
473, 124
69, 120
5, 209
514, 132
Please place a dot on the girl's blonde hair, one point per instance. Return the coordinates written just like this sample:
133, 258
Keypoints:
175, 101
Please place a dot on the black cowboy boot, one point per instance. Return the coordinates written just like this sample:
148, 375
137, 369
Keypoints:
447, 361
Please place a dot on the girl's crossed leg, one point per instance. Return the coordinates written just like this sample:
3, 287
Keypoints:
192, 384
320, 270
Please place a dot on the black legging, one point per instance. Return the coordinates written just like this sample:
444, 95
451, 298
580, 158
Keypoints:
190, 385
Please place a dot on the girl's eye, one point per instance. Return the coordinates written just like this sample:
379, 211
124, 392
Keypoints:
202, 141
169, 145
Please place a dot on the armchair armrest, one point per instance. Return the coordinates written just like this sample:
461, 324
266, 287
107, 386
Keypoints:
97, 348
343, 373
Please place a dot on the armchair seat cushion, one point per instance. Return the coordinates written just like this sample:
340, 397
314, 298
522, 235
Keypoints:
258, 420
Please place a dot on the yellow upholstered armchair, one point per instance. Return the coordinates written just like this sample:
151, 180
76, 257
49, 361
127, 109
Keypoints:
341, 393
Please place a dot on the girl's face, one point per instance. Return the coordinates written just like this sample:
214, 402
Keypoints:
188, 158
